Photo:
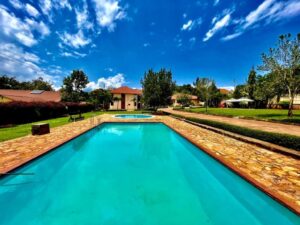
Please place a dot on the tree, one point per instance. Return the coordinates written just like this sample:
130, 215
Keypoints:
284, 62
117, 99
41, 84
37, 84
186, 89
8, 82
240, 91
158, 88
215, 95
203, 89
101, 98
251, 83
73, 85
184, 100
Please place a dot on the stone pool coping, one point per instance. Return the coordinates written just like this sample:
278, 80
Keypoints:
281, 182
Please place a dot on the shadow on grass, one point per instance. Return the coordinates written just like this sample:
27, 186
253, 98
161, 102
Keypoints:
279, 118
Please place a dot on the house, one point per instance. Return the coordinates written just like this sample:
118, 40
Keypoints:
126, 98
224, 91
9, 95
194, 99
274, 104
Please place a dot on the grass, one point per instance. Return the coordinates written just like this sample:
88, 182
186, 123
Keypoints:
284, 140
279, 115
25, 129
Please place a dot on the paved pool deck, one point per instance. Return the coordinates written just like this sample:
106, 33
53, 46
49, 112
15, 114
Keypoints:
276, 174
252, 124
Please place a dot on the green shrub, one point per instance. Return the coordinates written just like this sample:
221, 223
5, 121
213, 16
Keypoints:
284, 104
284, 140
27, 112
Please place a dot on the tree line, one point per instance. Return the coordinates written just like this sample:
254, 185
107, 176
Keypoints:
36, 84
281, 68
281, 76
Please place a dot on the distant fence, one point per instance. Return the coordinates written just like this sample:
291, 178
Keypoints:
26, 112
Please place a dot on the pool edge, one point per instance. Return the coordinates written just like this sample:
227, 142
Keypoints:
271, 193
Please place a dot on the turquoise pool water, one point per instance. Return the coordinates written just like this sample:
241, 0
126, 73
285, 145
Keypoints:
133, 116
133, 174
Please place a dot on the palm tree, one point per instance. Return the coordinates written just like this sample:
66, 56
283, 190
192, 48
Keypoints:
117, 99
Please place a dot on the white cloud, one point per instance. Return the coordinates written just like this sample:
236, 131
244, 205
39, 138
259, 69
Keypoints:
231, 36
258, 14
13, 28
111, 82
146, 44
219, 25
31, 10
109, 69
82, 17
189, 25
74, 40
46, 6
108, 12
73, 54
216, 2
269, 11
16, 4
24, 65
41, 27
61, 4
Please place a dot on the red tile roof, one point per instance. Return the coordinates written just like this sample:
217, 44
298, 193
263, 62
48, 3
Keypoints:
126, 90
191, 97
27, 96
224, 91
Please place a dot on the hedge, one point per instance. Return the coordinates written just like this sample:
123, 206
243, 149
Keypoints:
284, 140
26, 112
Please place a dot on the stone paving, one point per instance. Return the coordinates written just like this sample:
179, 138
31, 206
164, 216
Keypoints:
252, 124
278, 175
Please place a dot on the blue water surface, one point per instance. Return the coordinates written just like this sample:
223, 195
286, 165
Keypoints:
133, 174
133, 116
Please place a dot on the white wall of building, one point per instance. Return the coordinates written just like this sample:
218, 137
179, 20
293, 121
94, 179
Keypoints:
129, 102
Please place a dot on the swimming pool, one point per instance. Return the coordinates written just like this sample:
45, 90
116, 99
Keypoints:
133, 174
133, 116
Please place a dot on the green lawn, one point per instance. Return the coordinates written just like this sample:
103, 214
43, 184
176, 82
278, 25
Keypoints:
24, 129
261, 114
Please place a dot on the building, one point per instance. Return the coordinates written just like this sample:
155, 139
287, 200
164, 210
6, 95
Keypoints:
224, 91
274, 104
194, 99
9, 95
126, 98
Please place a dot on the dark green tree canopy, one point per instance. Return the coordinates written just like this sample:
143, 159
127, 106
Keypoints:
100, 98
251, 82
208, 92
240, 91
284, 62
186, 89
73, 85
36, 84
158, 88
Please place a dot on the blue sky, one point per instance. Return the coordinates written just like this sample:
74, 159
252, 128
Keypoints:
116, 41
